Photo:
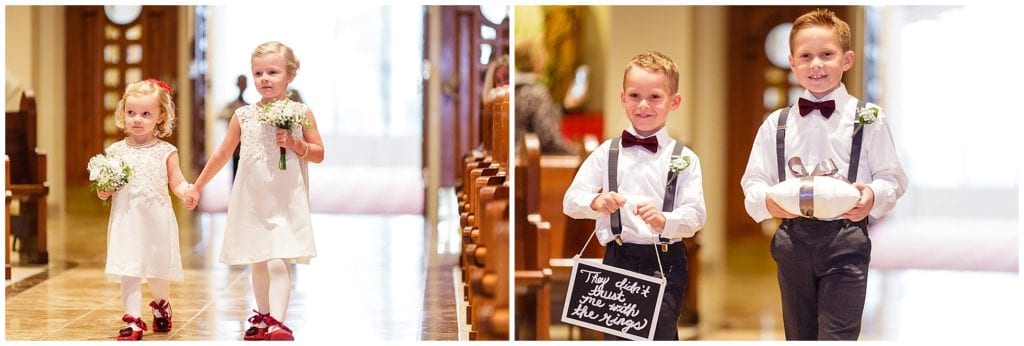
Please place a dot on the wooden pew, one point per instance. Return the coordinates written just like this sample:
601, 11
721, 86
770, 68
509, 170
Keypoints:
484, 185
7, 218
533, 268
29, 187
492, 283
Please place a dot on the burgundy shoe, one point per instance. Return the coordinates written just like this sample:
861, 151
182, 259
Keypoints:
255, 333
129, 334
282, 332
161, 324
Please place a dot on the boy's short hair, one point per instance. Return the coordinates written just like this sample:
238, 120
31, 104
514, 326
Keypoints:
655, 61
291, 62
146, 88
822, 17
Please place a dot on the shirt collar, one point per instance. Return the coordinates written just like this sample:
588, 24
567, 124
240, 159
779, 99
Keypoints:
662, 134
839, 95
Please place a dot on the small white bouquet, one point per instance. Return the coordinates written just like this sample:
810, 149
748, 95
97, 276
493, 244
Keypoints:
108, 173
284, 114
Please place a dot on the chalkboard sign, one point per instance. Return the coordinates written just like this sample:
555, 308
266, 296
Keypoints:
612, 300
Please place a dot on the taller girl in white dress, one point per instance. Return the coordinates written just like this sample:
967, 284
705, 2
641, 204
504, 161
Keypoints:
268, 216
142, 236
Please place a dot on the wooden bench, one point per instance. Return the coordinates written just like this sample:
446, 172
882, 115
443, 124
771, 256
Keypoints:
483, 198
532, 253
7, 218
28, 185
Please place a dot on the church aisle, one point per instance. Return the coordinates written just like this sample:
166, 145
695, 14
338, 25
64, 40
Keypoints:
366, 282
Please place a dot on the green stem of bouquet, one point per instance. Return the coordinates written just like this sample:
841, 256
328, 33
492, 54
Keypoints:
281, 163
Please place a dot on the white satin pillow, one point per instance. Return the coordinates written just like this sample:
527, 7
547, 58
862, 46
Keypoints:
832, 197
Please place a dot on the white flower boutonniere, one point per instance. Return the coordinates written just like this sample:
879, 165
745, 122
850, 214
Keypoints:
677, 165
865, 116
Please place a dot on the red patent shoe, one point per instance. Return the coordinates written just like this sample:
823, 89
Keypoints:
161, 324
282, 332
129, 334
255, 333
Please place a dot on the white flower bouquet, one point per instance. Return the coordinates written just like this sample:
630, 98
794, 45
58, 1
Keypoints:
284, 114
108, 173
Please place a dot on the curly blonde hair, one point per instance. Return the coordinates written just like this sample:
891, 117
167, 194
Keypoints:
272, 47
165, 126
655, 61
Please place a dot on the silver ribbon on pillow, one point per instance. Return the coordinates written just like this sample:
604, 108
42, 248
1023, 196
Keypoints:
822, 169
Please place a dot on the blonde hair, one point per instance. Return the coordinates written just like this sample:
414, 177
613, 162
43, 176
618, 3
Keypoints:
655, 61
272, 47
826, 18
492, 69
148, 87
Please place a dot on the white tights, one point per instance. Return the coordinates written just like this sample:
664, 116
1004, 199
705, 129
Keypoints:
131, 295
272, 286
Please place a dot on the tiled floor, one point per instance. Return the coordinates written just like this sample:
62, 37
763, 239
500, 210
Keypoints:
367, 282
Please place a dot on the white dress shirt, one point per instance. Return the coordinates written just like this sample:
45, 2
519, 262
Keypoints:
816, 139
642, 178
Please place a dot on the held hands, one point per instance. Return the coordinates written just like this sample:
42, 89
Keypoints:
607, 202
103, 195
859, 212
651, 215
776, 210
191, 197
283, 138
867, 200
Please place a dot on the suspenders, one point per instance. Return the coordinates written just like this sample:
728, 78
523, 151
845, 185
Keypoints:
780, 146
613, 185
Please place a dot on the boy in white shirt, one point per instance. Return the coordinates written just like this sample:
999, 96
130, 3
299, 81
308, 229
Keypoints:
823, 264
652, 194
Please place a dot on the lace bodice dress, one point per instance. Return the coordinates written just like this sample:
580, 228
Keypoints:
142, 235
268, 215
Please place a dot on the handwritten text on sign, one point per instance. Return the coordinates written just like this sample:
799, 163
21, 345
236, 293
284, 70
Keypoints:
613, 300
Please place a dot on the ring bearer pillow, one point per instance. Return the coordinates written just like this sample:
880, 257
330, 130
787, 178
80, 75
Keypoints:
822, 194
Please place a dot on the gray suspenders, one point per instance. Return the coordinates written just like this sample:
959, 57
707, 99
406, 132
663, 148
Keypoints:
780, 146
613, 185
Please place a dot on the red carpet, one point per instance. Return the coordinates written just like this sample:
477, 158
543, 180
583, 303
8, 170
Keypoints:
342, 190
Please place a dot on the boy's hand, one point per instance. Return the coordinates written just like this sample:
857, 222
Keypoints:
103, 195
651, 215
607, 202
867, 200
776, 210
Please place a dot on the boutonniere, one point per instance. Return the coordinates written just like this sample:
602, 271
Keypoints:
678, 164
865, 116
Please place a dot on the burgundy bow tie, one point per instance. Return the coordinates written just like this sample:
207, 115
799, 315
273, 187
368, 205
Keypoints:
826, 107
649, 143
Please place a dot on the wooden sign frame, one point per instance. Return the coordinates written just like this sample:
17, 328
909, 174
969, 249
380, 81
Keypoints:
574, 303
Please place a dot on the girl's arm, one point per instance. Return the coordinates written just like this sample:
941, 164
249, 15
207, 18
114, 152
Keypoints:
310, 139
176, 180
221, 156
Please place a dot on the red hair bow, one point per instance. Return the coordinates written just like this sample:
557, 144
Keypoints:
161, 84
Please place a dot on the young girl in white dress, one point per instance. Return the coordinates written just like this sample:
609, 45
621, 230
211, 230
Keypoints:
142, 236
268, 216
